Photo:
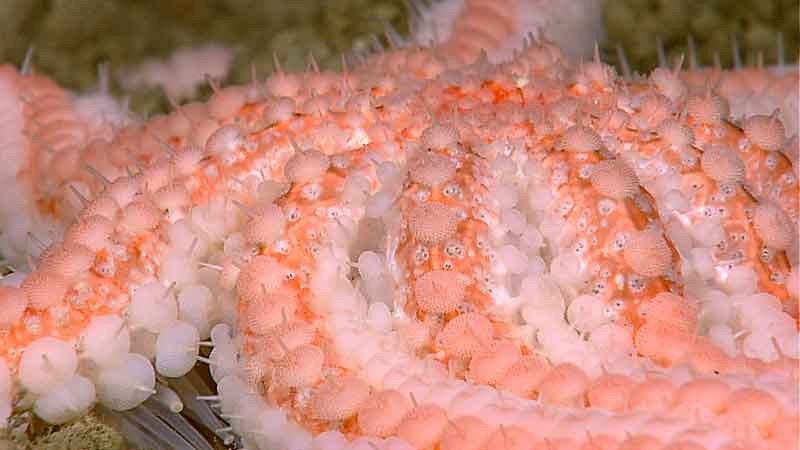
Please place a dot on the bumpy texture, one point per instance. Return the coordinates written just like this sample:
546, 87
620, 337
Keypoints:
532, 254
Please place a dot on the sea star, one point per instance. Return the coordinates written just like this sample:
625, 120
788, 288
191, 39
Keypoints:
416, 254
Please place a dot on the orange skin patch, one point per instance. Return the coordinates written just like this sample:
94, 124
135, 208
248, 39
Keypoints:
767, 179
304, 235
768, 174
93, 295
470, 231
706, 199
601, 224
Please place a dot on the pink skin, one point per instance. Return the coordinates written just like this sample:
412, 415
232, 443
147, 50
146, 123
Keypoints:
684, 445
723, 165
782, 366
466, 335
703, 397
706, 358
289, 334
559, 444
140, 216
465, 433
431, 169
580, 139
432, 223
663, 343
753, 406
267, 225
340, 399
490, 367
305, 166
774, 226
13, 302
70, 260
439, 291
383, 413
300, 367
510, 438
415, 335
735, 446
614, 179
766, 132
600, 442
654, 109
91, 232
564, 385
270, 310
44, 289
652, 395
642, 442
610, 392
103, 206
785, 431
259, 277
226, 102
423, 426
524, 377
